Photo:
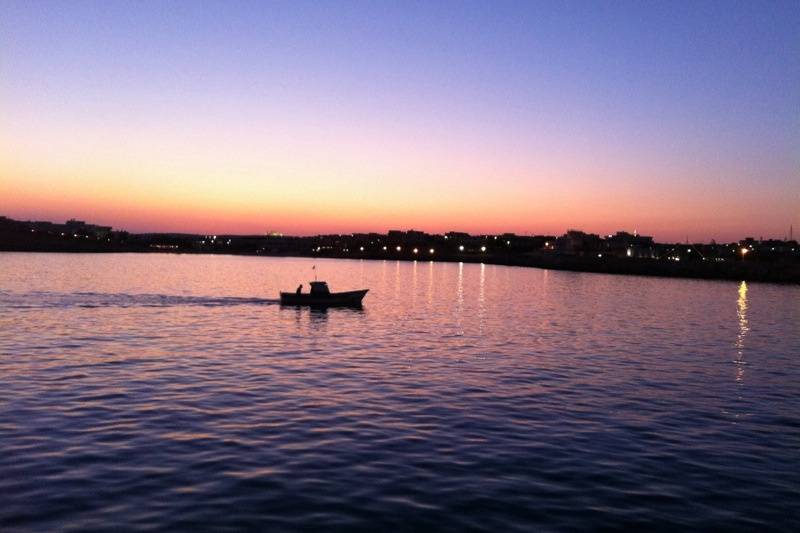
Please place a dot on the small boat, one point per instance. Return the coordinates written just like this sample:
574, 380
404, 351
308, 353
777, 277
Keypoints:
321, 296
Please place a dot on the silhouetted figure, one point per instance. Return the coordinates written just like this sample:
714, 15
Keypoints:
299, 289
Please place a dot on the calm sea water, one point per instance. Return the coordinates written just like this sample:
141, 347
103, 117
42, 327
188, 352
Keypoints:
165, 392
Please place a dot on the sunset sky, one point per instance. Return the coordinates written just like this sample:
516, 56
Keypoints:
674, 119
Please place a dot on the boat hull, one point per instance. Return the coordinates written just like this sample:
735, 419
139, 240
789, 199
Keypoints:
334, 299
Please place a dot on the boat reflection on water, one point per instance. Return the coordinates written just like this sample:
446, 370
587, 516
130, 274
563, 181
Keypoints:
317, 316
322, 312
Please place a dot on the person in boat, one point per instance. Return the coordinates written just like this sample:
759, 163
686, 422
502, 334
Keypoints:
299, 289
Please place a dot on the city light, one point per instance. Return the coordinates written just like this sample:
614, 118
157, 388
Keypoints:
585, 242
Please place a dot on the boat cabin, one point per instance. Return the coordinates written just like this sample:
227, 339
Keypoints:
319, 287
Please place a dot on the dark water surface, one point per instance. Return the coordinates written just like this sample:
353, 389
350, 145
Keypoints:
165, 392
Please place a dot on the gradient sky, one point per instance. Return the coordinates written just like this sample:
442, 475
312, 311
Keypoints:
674, 119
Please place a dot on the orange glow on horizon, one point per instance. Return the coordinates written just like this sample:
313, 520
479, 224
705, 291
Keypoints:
149, 190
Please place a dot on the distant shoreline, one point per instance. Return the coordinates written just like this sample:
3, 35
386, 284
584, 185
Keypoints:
622, 253
786, 273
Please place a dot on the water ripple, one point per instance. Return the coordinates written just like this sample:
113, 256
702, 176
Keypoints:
453, 401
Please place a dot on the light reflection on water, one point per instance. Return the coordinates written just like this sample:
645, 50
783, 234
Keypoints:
741, 312
172, 392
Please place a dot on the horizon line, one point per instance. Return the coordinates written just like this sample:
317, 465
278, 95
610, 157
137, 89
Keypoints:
272, 233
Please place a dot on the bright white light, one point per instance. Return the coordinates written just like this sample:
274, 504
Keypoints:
599, 255
630, 252
415, 250
398, 248
361, 248
745, 251
461, 248
430, 251
483, 248
384, 248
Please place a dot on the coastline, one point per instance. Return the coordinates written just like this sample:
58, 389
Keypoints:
781, 272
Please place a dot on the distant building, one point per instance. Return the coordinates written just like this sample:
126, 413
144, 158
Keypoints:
576, 242
407, 237
80, 227
624, 244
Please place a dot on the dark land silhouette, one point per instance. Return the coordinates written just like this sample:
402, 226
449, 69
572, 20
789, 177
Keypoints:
621, 253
